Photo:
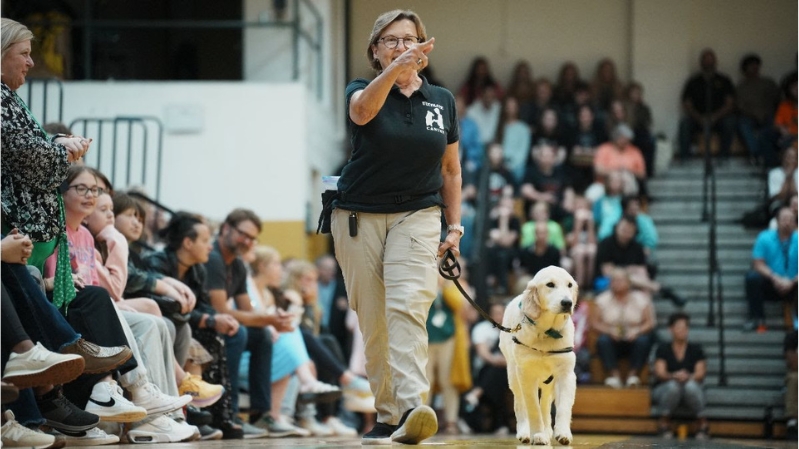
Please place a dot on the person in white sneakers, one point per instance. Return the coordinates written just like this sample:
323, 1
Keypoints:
15, 434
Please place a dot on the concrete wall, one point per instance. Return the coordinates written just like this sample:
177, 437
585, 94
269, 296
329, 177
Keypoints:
655, 42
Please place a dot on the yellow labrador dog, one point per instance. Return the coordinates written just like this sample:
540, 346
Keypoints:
540, 356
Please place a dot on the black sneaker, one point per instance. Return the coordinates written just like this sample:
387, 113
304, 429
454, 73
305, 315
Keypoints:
197, 417
416, 425
63, 415
380, 434
676, 299
231, 431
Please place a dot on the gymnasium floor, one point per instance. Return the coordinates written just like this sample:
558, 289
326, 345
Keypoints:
478, 441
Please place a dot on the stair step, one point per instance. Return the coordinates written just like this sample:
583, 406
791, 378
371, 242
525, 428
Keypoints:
718, 396
741, 412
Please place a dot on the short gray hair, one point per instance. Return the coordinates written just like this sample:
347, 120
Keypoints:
13, 32
383, 21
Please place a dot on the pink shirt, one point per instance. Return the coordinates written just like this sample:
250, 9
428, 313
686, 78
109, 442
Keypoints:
609, 158
81, 256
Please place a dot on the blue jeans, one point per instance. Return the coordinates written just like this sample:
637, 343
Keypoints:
759, 140
610, 351
759, 290
259, 343
41, 320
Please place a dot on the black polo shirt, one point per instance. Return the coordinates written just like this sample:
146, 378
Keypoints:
609, 250
395, 164
696, 91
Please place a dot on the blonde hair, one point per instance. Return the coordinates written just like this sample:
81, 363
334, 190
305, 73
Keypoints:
13, 32
383, 21
295, 271
263, 254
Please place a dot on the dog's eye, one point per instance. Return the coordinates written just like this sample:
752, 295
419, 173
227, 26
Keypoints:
570, 285
551, 285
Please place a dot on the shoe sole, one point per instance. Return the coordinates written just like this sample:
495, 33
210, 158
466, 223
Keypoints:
149, 438
121, 417
111, 366
202, 403
70, 442
375, 441
212, 436
420, 425
60, 373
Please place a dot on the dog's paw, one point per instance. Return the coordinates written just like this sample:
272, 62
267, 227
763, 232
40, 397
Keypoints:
523, 437
540, 439
564, 437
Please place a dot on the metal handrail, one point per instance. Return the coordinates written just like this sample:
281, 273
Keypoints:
31, 83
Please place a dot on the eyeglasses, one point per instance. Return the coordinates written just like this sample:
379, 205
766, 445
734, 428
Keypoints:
392, 42
83, 190
247, 237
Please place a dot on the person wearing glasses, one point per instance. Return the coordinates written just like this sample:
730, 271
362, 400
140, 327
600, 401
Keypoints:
227, 278
403, 172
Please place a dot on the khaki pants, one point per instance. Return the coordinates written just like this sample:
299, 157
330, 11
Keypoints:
391, 274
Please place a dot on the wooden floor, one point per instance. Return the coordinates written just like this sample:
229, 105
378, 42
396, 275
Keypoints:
477, 441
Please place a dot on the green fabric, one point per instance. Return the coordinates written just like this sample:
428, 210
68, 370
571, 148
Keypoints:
41, 251
64, 291
440, 331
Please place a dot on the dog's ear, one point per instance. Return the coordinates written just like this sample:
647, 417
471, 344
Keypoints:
532, 304
575, 294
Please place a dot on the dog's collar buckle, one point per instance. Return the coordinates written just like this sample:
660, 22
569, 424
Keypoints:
551, 333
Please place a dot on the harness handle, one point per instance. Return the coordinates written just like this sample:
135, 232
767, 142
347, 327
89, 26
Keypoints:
450, 269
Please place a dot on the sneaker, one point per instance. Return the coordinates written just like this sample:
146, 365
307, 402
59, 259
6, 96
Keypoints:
676, 299
208, 433
150, 397
181, 422
702, 434
202, 393
665, 432
197, 417
15, 434
92, 437
277, 428
633, 382
613, 382
315, 427
8, 393
416, 425
38, 366
252, 432
231, 431
339, 428
359, 404
318, 392
380, 434
159, 429
749, 325
358, 387
284, 420
61, 414
99, 359
108, 402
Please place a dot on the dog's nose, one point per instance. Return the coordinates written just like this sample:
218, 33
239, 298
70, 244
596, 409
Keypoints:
566, 304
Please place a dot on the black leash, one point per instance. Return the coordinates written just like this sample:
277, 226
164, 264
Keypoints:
450, 269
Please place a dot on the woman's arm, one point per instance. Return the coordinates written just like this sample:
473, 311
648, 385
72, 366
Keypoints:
451, 194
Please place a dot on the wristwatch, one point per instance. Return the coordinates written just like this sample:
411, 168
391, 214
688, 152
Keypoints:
210, 322
455, 227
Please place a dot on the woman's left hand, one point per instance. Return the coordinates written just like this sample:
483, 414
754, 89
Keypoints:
451, 242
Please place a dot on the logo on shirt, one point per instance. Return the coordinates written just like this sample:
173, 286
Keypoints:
434, 117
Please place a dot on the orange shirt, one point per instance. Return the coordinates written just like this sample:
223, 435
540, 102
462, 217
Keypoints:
787, 116
608, 157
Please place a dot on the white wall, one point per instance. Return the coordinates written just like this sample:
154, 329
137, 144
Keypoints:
250, 150
656, 42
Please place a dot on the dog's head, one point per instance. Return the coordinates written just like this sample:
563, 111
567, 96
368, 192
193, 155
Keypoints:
551, 290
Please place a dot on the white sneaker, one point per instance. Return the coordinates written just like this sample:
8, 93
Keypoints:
15, 434
316, 428
339, 428
613, 382
360, 404
150, 397
108, 402
92, 437
159, 429
38, 366
195, 431
633, 382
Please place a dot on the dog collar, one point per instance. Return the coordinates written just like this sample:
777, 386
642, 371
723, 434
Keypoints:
551, 333
556, 351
